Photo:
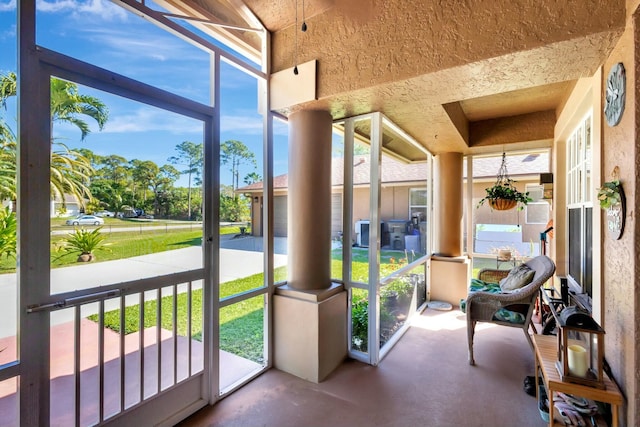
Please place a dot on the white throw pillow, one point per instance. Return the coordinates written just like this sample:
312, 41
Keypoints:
518, 277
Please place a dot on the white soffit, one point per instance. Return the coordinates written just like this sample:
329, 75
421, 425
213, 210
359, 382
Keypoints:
288, 89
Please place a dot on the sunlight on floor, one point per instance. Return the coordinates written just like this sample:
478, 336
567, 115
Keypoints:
445, 320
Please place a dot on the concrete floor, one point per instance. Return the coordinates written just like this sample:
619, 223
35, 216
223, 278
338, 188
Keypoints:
232, 368
425, 380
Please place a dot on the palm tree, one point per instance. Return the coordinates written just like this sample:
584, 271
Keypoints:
70, 174
70, 170
68, 106
190, 155
7, 163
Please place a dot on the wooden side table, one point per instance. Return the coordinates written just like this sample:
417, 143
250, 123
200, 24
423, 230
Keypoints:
546, 356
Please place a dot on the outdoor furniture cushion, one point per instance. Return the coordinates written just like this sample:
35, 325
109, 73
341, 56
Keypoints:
486, 306
518, 277
503, 314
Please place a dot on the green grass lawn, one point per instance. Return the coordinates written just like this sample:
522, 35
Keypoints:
241, 324
125, 244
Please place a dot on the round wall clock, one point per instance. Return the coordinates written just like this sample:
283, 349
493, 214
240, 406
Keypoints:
615, 95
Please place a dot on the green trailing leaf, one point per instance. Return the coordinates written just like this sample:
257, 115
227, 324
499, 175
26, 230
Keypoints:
609, 194
507, 190
8, 228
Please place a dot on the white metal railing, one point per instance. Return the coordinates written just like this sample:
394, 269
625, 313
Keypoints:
158, 354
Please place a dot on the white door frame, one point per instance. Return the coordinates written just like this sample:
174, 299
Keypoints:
36, 69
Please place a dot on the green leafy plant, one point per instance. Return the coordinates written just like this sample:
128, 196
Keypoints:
84, 242
504, 195
360, 323
609, 194
506, 190
8, 230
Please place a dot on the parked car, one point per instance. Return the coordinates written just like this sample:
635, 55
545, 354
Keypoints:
86, 220
105, 214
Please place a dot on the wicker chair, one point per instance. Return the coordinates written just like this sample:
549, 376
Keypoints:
481, 306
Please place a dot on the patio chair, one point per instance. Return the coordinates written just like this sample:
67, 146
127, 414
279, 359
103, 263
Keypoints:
483, 306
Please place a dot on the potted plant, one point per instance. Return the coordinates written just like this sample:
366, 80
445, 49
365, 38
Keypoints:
504, 195
84, 242
609, 194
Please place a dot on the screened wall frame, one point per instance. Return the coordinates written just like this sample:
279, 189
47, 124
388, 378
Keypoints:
530, 221
34, 271
36, 67
375, 126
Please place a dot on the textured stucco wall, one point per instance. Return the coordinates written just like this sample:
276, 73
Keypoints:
395, 39
407, 59
620, 266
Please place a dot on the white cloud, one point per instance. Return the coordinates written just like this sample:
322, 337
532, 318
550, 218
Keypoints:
7, 6
148, 120
248, 125
241, 124
9, 33
104, 9
132, 43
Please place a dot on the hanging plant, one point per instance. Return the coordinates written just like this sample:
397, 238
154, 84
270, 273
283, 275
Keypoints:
504, 195
609, 194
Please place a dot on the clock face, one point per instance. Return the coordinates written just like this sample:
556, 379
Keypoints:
615, 94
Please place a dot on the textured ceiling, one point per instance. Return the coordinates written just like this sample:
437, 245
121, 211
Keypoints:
446, 72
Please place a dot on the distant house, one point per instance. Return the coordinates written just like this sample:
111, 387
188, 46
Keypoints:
70, 207
404, 193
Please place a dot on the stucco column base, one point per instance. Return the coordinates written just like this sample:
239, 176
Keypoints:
449, 279
310, 331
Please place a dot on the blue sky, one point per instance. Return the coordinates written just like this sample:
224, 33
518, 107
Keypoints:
104, 34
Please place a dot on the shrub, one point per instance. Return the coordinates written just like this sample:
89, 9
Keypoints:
83, 242
8, 228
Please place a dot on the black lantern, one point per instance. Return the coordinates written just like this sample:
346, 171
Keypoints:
580, 348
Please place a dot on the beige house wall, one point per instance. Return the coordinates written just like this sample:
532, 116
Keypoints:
616, 269
394, 203
620, 267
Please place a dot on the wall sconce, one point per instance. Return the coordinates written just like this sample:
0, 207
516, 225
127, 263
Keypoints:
580, 348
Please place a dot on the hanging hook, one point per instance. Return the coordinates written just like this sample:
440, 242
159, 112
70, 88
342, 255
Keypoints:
304, 24
295, 58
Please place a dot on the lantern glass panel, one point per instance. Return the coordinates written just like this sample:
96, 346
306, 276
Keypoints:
578, 353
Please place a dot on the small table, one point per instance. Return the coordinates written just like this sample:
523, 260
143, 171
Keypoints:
546, 356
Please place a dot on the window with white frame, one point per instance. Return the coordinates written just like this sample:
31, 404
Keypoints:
579, 164
418, 203
579, 205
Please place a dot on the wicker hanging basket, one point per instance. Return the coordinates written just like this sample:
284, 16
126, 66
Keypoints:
502, 204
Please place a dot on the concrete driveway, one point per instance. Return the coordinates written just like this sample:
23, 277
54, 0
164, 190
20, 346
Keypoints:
242, 261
